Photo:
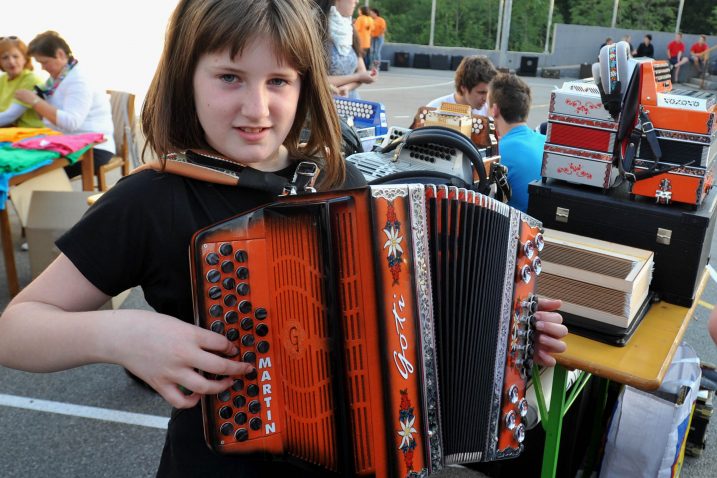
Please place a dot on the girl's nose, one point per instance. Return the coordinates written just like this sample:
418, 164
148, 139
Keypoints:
256, 103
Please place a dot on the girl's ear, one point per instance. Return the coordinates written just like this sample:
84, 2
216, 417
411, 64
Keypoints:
60, 54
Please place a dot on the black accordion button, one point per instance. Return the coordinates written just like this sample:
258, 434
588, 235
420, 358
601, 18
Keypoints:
254, 407
241, 256
215, 293
240, 418
247, 340
242, 273
224, 396
252, 390
249, 357
260, 313
242, 434
243, 288
230, 300
239, 401
227, 267
212, 259
227, 429
226, 249
238, 385
232, 334
262, 330
247, 323
263, 347
228, 283
255, 423
218, 326
213, 276
225, 412
231, 317
245, 307
216, 310
251, 375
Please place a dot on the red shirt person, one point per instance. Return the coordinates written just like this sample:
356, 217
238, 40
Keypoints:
676, 54
697, 50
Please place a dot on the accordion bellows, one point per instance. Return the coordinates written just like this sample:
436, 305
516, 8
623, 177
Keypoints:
391, 328
598, 280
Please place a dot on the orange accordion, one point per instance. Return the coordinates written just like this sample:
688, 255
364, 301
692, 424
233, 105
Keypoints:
391, 328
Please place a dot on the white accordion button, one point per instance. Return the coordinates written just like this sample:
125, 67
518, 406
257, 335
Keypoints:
539, 241
537, 266
510, 419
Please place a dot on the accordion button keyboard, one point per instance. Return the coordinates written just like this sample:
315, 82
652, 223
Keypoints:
216, 310
254, 407
225, 412
224, 396
213, 276
239, 401
243, 289
228, 283
251, 375
226, 249
230, 300
218, 327
247, 340
260, 313
242, 434
241, 256
212, 259
252, 390
247, 323
249, 357
255, 423
240, 418
227, 429
231, 317
232, 334
242, 273
263, 347
244, 306
215, 293
238, 385
227, 266
261, 331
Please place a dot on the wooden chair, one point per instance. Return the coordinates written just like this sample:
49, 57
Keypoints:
124, 122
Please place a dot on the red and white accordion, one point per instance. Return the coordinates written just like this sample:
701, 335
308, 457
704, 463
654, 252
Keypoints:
391, 328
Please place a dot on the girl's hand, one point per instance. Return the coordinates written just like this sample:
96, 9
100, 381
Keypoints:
365, 77
26, 96
550, 329
168, 353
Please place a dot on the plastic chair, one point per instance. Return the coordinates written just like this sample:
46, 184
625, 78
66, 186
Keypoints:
123, 119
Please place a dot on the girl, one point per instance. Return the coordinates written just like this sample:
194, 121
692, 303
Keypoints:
236, 82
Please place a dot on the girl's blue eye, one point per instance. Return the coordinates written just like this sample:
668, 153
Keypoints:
228, 78
277, 81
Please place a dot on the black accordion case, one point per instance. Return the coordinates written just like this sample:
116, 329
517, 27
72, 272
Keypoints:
679, 235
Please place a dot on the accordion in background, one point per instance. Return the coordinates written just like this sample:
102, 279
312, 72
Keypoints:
480, 129
391, 328
367, 117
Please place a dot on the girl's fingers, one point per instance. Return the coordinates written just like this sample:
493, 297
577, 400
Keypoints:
547, 304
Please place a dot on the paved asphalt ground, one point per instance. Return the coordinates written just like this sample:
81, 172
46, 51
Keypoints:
95, 422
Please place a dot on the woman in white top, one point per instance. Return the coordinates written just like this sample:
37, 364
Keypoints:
69, 103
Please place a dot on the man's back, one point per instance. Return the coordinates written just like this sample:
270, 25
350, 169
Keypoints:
521, 151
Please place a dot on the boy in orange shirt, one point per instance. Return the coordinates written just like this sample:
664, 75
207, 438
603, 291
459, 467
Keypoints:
363, 26
377, 34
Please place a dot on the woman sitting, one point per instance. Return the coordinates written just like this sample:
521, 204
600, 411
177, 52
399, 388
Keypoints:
69, 102
16, 64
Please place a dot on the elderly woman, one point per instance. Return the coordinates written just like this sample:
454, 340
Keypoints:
69, 103
16, 64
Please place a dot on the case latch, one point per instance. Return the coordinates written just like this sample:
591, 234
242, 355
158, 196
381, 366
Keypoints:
561, 214
663, 236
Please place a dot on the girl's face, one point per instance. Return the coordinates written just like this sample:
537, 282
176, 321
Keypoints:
53, 64
12, 62
247, 104
346, 7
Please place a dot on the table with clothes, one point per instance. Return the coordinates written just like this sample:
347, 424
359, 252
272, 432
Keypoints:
26, 153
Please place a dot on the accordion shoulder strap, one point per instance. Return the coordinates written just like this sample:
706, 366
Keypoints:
189, 170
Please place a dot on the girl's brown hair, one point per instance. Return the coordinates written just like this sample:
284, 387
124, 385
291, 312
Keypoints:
197, 27
8, 43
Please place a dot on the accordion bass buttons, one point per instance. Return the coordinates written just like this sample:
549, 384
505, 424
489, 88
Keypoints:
519, 433
526, 273
513, 394
539, 241
523, 407
510, 419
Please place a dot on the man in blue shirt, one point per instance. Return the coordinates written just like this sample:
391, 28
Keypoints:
521, 148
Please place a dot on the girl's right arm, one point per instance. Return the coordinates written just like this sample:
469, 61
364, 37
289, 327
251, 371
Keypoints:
53, 325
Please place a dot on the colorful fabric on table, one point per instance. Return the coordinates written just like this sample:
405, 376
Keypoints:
16, 134
74, 157
63, 144
13, 160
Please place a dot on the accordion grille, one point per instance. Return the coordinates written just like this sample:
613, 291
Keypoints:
299, 271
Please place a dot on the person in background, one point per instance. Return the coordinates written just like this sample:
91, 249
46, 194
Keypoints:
69, 103
471, 85
645, 49
378, 34
697, 55
347, 71
628, 39
676, 56
608, 41
521, 148
17, 66
364, 26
